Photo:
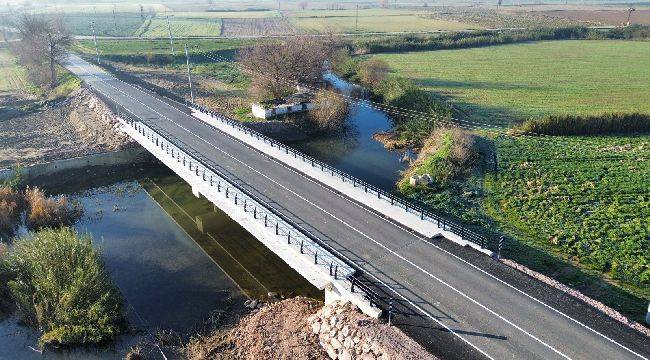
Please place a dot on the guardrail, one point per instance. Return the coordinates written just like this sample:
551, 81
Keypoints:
339, 266
441, 222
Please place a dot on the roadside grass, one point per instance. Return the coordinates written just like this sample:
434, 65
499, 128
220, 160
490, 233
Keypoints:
502, 84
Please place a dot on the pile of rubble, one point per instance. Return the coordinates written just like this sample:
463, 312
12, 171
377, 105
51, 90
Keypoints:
345, 333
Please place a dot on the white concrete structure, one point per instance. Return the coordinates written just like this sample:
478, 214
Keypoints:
262, 112
425, 179
310, 259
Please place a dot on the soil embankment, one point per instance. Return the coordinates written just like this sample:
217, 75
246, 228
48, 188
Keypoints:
78, 125
301, 328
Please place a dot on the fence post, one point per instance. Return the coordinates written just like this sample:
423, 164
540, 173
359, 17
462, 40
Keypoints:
336, 271
501, 239
390, 310
302, 243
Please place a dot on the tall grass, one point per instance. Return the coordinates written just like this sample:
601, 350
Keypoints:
12, 204
588, 125
49, 211
447, 154
60, 285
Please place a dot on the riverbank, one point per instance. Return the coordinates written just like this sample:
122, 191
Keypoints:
76, 126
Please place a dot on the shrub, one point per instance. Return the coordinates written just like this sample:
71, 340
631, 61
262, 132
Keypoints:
489, 38
330, 111
50, 212
343, 64
448, 154
12, 204
372, 72
60, 285
588, 125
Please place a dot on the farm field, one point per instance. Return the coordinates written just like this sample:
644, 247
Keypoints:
123, 24
159, 47
13, 77
372, 20
100, 8
500, 84
256, 27
585, 199
180, 27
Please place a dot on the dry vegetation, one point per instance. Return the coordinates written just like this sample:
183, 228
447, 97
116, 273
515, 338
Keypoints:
46, 211
40, 210
12, 204
330, 111
447, 154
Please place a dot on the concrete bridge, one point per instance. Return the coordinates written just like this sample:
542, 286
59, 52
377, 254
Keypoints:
361, 244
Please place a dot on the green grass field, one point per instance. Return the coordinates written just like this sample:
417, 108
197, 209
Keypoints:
162, 47
501, 83
123, 24
586, 199
180, 27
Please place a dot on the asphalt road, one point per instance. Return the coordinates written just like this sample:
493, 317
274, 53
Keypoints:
471, 311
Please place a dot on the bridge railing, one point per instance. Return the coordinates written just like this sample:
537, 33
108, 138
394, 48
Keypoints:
441, 222
339, 266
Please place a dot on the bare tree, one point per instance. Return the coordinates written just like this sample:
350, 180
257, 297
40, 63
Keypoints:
43, 42
303, 5
276, 69
330, 111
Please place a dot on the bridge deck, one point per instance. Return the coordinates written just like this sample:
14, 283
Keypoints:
491, 316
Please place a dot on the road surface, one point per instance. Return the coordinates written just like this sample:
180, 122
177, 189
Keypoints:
472, 305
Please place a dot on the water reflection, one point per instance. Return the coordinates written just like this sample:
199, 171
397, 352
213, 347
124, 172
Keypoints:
354, 150
175, 258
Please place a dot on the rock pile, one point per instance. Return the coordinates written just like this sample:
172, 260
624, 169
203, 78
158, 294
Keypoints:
346, 334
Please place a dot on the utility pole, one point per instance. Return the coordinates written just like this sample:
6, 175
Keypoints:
114, 20
171, 39
356, 20
189, 75
92, 27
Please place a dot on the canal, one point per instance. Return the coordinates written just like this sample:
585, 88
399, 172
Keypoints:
179, 260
